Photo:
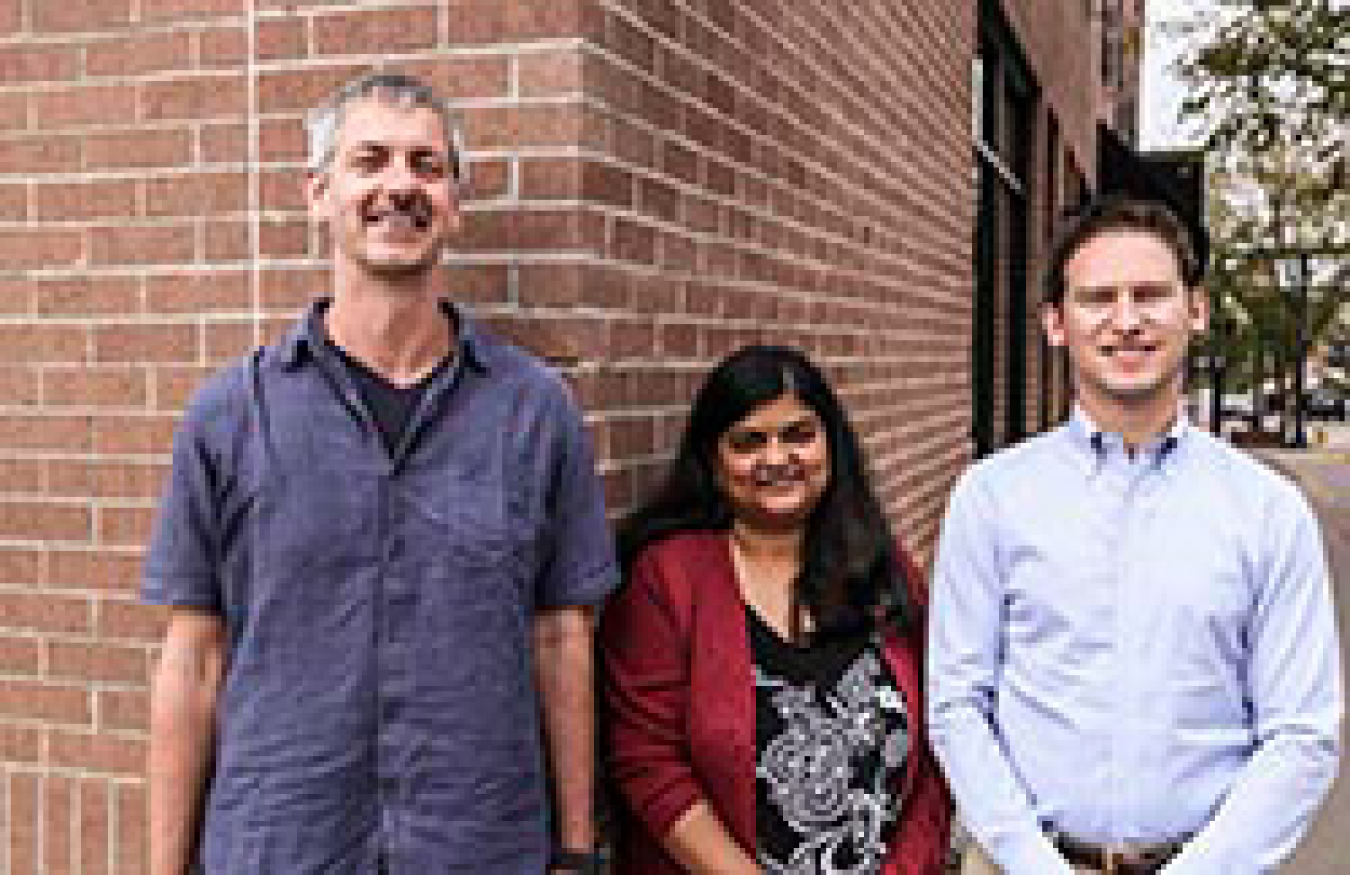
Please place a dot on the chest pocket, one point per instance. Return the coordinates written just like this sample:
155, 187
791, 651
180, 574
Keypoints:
476, 527
468, 515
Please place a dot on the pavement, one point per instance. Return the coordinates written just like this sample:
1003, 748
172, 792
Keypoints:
1323, 472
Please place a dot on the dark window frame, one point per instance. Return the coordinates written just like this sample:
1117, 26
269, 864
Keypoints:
1004, 151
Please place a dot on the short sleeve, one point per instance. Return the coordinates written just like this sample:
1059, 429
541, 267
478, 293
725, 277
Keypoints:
182, 563
580, 568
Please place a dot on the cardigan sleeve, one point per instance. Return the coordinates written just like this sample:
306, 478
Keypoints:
923, 835
645, 651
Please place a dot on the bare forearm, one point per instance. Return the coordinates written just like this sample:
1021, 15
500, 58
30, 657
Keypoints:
702, 845
565, 671
180, 757
182, 742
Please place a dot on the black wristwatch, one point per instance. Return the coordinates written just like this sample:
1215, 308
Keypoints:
583, 862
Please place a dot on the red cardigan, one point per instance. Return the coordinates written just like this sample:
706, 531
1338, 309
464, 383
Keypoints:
681, 706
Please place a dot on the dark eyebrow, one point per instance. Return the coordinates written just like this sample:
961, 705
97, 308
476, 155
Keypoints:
437, 154
368, 146
419, 153
385, 147
805, 421
1134, 287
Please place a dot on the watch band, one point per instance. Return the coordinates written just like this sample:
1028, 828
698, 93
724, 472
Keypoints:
584, 862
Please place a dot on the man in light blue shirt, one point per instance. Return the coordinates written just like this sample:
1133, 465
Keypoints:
1133, 661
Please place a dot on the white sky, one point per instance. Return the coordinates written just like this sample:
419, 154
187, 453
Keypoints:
1171, 28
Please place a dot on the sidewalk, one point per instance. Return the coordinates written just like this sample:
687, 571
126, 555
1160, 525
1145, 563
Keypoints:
1323, 472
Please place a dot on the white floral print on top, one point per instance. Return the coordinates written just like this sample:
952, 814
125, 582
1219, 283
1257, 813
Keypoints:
830, 769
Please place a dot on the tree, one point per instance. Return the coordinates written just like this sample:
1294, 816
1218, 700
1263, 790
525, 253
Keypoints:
1272, 82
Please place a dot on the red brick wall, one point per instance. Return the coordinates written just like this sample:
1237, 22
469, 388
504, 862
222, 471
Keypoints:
123, 276
655, 183
797, 172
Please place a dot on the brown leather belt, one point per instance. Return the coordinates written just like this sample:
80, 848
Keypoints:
1127, 858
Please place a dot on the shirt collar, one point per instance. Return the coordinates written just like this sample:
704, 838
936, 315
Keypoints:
307, 335
1092, 444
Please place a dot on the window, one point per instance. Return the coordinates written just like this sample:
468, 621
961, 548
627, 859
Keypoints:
1050, 198
1008, 98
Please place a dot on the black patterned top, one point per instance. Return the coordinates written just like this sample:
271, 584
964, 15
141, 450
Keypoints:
831, 735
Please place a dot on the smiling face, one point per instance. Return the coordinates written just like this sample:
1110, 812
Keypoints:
773, 465
389, 195
1126, 319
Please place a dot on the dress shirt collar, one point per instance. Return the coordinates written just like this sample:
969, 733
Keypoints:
1093, 445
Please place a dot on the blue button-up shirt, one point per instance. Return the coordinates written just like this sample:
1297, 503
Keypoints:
379, 699
1133, 647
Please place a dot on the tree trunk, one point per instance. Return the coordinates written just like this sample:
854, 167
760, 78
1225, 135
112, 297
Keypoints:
1258, 385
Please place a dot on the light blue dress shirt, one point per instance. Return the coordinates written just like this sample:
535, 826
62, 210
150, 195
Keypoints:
1133, 648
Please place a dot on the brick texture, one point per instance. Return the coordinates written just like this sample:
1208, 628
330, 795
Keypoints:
112, 123
792, 173
654, 184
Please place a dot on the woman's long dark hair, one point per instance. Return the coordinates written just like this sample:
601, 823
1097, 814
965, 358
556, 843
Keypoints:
850, 574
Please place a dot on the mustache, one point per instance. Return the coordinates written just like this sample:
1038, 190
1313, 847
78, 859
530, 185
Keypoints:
417, 209
765, 474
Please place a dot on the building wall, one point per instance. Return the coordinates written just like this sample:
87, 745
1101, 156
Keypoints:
655, 183
796, 172
1069, 80
1069, 101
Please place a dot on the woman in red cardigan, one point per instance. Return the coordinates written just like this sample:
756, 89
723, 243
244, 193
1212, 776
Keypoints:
763, 660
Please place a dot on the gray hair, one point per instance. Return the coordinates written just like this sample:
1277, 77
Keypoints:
322, 124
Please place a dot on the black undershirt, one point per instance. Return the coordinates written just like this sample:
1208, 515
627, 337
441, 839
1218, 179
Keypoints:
390, 405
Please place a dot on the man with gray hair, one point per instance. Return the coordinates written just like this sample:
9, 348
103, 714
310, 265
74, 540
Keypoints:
381, 541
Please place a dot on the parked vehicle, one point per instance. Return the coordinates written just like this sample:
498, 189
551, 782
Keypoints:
1238, 409
1324, 404
1235, 414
